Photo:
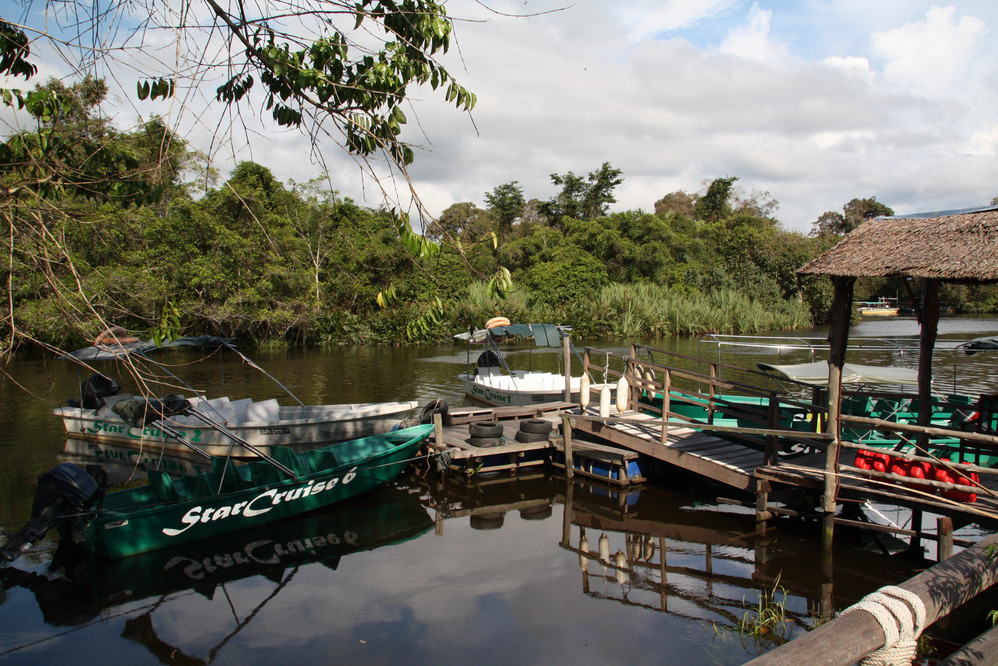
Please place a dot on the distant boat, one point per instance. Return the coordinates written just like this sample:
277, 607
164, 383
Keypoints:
885, 307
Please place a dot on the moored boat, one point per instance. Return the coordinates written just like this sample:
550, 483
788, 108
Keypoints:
491, 381
95, 417
172, 511
261, 423
883, 307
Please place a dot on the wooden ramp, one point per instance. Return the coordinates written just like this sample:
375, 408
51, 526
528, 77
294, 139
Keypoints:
707, 455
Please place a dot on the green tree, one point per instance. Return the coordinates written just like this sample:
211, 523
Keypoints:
714, 204
506, 205
853, 214
317, 66
676, 203
583, 198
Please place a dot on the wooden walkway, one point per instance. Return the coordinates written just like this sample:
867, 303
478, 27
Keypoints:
624, 435
706, 455
595, 460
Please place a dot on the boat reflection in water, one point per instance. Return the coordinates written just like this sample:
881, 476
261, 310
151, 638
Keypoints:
78, 588
125, 462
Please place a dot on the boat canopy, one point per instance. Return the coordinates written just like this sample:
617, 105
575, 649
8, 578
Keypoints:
544, 335
816, 374
989, 343
118, 350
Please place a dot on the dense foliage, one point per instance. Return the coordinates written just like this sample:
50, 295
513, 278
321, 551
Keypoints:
297, 264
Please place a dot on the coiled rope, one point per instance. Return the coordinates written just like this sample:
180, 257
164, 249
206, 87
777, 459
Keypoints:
901, 615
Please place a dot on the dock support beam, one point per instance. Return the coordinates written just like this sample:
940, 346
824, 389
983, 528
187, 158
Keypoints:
838, 339
566, 433
761, 506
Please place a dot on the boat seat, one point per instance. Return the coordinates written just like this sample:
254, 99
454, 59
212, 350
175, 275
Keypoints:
262, 472
163, 486
233, 477
290, 459
323, 459
200, 485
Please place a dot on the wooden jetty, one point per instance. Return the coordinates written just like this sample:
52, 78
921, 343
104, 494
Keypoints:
592, 459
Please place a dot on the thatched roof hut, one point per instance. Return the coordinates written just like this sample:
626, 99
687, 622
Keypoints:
953, 246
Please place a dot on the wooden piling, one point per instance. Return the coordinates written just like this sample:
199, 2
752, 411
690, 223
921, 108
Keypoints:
944, 536
566, 432
942, 588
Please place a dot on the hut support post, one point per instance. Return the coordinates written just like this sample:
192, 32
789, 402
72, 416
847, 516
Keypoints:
838, 339
929, 320
566, 350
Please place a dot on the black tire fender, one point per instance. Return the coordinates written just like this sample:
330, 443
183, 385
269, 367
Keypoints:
536, 425
525, 437
438, 406
485, 429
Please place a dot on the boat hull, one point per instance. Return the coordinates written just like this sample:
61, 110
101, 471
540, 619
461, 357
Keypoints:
262, 425
528, 390
140, 519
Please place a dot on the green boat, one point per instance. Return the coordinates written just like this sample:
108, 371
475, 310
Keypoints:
172, 511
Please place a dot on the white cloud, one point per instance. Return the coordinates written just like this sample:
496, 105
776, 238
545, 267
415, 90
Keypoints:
817, 103
752, 40
934, 56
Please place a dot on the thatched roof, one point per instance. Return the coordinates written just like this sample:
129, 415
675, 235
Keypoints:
957, 246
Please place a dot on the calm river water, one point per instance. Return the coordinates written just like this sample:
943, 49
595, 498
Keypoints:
430, 570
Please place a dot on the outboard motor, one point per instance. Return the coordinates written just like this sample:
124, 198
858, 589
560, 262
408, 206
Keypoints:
488, 364
93, 391
62, 491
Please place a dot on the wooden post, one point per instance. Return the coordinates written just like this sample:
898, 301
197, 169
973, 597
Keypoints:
838, 339
566, 528
438, 429
761, 506
944, 535
666, 404
929, 322
566, 432
915, 545
566, 350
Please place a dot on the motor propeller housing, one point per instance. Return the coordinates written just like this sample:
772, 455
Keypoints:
64, 491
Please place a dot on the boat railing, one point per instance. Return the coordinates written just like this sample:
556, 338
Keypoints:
677, 396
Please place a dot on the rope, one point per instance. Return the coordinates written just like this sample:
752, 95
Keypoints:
901, 615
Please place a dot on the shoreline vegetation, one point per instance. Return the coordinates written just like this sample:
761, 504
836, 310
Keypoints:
170, 249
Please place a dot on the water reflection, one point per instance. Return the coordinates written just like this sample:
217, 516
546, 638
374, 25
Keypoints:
78, 589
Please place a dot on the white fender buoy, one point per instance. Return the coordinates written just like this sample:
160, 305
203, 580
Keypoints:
650, 377
583, 548
584, 396
604, 548
635, 550
604, 401
649, 550
623, 394
621, 572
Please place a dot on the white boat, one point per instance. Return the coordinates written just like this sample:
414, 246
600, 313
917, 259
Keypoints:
265, 423
492, 382
885, 307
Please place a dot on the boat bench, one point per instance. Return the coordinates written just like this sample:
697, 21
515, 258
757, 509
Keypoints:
181, 488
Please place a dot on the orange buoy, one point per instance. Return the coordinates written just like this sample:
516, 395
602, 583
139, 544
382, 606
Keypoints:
497, 321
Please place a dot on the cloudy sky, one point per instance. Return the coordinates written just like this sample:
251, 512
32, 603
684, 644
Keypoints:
815, 102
